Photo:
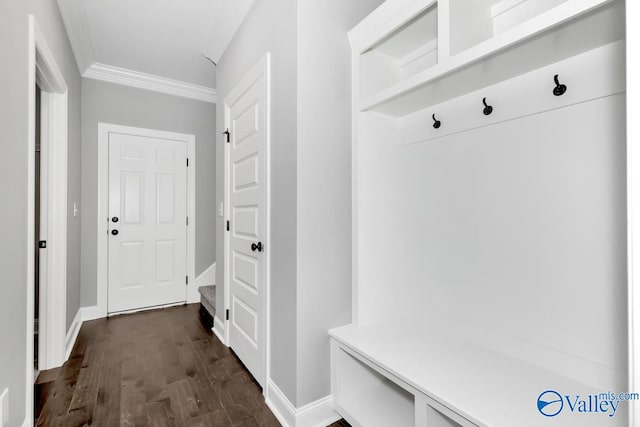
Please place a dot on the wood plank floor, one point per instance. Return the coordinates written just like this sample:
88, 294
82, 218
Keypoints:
158, 368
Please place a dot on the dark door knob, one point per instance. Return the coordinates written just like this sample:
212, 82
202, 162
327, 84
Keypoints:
256, 247
115, 219
114, 232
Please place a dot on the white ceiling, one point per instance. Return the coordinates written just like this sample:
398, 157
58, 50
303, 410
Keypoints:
164, 38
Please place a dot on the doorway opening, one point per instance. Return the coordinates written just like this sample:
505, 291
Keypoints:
46, 271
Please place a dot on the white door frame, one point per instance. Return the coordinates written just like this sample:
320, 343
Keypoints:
104, 129
263, 67
633, 204
44, 71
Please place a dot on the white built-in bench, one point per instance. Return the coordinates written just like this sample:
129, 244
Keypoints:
405, 374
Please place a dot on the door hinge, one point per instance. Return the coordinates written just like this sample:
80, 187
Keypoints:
228, 226
186, 279
42, 244
187, 162
228, 134
187, 220
227, 314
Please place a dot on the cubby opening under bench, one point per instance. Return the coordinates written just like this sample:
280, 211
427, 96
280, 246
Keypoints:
489, 216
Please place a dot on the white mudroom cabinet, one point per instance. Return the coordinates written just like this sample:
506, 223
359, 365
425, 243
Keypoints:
489, 216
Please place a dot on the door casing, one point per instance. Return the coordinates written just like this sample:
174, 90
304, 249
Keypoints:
263, 66
104, 129
44, 70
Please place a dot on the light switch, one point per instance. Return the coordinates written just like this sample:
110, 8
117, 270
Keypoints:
220, 209
4, 408
76, 210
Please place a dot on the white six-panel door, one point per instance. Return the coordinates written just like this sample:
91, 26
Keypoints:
147, 222
247, 195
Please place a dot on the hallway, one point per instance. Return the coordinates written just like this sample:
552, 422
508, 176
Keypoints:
158, 368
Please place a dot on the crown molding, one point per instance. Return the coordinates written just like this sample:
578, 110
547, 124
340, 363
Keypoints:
123, 76
75, 21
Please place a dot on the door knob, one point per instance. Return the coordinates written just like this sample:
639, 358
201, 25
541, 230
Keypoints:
115, 219
256, 247
114, 232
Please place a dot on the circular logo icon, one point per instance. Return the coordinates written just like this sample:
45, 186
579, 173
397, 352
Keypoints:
550, 403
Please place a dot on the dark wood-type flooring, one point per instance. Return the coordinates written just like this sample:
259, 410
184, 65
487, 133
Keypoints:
157, 368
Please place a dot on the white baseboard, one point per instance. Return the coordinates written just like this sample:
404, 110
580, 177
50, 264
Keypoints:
206, 278
72, 334
84, 314
315, 414
218, 329
92, 313
281, 407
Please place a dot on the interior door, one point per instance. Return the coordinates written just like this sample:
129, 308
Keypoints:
147, 222
247, 206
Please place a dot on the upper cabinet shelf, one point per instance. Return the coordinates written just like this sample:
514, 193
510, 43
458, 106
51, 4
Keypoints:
431, 51
475, 21
409, 49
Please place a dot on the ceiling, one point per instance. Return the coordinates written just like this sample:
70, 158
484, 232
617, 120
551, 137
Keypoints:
161, 38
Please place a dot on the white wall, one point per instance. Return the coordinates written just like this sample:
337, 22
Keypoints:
324, 183
124, 105
520, 228
13, 172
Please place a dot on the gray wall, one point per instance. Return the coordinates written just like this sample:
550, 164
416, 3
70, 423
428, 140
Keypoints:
310, 178
123, 105
324, 183
13, 170
50, 22
270, 26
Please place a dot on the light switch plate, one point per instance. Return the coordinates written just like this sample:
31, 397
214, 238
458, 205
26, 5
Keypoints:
4, 408
221, 209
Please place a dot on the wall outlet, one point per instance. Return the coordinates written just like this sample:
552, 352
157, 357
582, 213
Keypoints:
4, 408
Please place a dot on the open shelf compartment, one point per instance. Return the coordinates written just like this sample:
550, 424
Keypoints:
409, 49
475, 21
436, 419
573, 28
365, 392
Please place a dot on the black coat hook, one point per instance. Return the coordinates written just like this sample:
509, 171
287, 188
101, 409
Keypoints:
436, 122
560, 89
488, 109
